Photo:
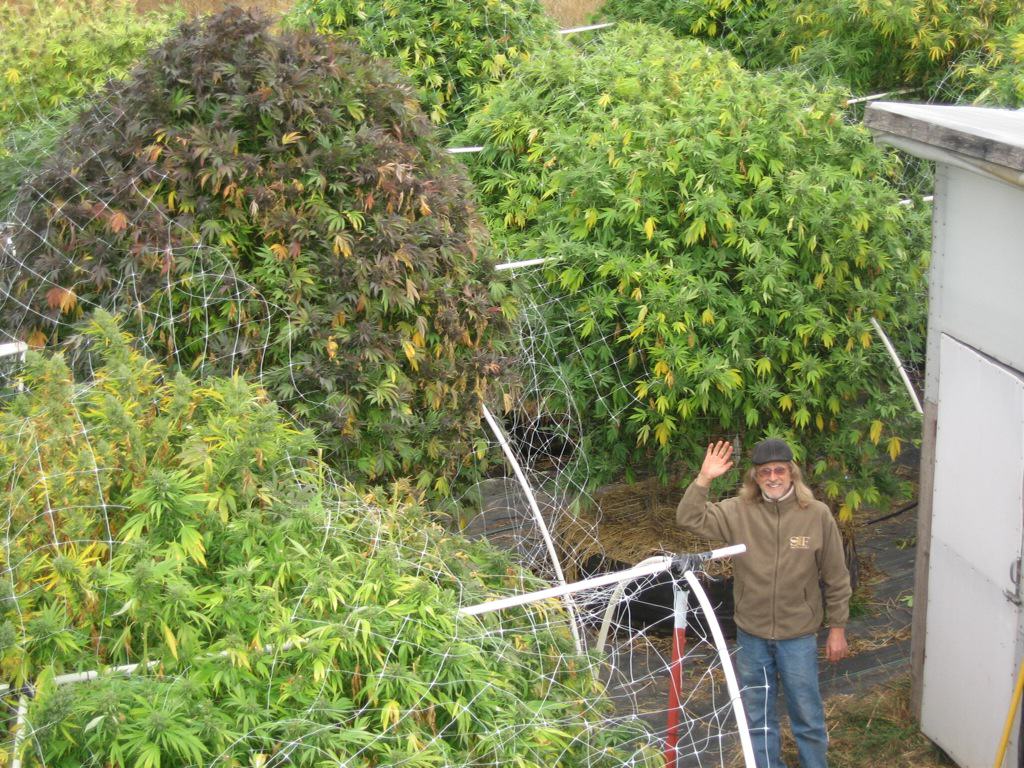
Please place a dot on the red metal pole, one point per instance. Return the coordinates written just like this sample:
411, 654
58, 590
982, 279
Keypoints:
675, 674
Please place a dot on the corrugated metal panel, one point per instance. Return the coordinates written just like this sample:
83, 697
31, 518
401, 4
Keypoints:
978, 515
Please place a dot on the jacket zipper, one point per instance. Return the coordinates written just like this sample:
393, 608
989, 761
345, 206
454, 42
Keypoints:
775, 579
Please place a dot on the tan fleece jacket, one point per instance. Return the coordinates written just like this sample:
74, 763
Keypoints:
789, 550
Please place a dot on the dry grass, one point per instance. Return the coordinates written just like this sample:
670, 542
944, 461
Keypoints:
875, 730
871, 729
631, 522
571, 13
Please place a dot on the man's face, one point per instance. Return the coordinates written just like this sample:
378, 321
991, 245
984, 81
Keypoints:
773, 478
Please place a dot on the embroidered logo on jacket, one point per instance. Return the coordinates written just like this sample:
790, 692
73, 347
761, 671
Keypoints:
799, 542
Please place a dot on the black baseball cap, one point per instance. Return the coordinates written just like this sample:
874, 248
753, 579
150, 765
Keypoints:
771, 449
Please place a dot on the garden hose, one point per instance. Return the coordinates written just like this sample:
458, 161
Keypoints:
1014, 701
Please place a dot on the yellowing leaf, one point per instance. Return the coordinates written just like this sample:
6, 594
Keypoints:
279, 251
875, 432
63, 298
172, 641
332, 348
36, 339
410, 353
342, 246
649, 226
895, 448
118, 223
13, 76
291, 138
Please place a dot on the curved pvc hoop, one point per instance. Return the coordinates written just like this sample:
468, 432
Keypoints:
899, 365
570, 606
730, 673
602, 636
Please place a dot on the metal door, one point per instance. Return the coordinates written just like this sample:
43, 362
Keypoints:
973, 585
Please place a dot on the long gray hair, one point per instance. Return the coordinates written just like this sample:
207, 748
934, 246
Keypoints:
751, 491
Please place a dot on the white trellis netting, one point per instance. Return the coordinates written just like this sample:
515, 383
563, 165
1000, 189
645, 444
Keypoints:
638, 662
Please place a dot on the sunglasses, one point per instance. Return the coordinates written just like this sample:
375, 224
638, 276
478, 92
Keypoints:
766, 472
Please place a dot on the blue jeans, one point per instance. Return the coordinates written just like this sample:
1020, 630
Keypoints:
761, 664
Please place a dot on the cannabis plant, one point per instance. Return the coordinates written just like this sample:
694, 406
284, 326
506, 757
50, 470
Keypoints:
718, 243
937, 49
277, 205
996, 73
185, 525
54, 53
451, 49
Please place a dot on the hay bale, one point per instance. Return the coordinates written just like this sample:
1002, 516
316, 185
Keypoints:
627, 523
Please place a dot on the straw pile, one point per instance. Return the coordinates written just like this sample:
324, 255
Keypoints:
628, 523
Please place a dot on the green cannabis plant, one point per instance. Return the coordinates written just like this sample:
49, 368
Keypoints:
278, 205
451, 49
996, 72
718, 242
933, 50
187, 526
53, 54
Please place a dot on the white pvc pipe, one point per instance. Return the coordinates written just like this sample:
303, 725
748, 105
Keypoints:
662, 564
925, 199
602, 636
92, 674
127, 669
876, 96
19, 732
463, 150
527, 263
14, 348
658, 565
588, 28
730, 674
539, 518
899, 365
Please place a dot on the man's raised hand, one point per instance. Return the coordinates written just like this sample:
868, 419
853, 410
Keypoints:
717, 461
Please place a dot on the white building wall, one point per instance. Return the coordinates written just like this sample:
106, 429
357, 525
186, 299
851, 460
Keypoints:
976, 285
973, 645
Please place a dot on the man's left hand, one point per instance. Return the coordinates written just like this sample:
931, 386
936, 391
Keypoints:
835, 646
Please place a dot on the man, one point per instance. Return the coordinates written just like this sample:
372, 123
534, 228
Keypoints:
793, 547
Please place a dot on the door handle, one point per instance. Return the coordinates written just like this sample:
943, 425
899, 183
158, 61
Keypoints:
1014, 595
